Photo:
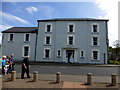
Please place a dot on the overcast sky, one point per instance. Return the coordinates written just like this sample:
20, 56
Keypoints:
26, 14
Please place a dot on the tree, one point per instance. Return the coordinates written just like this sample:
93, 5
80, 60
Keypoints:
117, 45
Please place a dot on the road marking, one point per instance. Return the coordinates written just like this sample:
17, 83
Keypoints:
62, 67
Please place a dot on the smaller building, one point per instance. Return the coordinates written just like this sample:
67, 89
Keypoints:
20, 41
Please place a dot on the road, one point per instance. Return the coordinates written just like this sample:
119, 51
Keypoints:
71, 70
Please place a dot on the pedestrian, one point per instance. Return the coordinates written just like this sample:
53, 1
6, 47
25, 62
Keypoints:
3, 64
11, 61
25, 67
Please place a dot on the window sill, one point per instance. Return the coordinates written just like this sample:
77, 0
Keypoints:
48, 32
11, 41
70, 45
26, 41
47, 44
95, 46
82, 57
94, 32
58, 56
71, 32
95, 60
46, 58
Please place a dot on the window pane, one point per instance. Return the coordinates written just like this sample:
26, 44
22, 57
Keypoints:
27, 37
48, 28
71, 40
26, 50
95, 54
47, 40
11, 37
94, 28
47, 53
82, 54
95, 41
58, 52
70, 28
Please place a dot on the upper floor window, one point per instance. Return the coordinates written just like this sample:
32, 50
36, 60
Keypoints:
11, 37
48, 40
27, 37
95, 41
71, 27
95, 28
70, 40
95, 55
48, 28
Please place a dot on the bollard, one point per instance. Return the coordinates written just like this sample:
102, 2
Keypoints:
13, 75
89, 78
113, 79
58, 77
35, 76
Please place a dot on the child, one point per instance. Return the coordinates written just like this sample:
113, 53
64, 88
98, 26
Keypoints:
6, 69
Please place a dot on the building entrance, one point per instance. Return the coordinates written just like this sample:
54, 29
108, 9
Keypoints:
70, 56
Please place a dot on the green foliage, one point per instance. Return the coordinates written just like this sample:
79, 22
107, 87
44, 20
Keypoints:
114, 62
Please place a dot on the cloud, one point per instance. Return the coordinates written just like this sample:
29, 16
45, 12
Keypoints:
13, 18
32, 9
110, 10
47, 11
3, 27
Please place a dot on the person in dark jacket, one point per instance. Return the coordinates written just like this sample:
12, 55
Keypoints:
25, 67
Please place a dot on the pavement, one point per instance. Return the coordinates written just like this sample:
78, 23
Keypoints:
68, 81
74, 78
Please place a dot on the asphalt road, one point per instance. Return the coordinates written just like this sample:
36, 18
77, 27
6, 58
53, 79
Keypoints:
71, 70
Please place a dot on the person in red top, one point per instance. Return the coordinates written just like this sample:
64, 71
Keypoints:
25, 67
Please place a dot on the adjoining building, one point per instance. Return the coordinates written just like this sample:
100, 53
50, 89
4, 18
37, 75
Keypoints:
69, 40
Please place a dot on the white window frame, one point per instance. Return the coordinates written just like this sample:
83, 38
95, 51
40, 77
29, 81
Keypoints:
98, 58
57, 52
68, 39
23, 50
98, 40
46, 27
25, 37
50, 39
9, 37
73, 27
83, 53
49, 52
97, 27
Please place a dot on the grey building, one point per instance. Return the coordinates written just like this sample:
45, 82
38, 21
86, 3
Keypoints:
19, 41
69, 40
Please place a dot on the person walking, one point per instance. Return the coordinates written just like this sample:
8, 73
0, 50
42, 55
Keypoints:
25, 67
3, 64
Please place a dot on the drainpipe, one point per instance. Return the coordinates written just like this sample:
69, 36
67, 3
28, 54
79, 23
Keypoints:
35, 47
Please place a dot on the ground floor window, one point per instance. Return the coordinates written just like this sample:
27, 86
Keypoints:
26, 50
82, 53
47, 53
58, 53
95, 55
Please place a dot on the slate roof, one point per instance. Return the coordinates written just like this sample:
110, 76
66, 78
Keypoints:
21, 30
73, 19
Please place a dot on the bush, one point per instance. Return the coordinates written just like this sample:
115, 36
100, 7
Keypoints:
114, 62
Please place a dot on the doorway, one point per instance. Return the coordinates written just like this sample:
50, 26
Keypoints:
70, 56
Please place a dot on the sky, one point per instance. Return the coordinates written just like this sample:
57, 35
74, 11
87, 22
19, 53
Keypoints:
26, 14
